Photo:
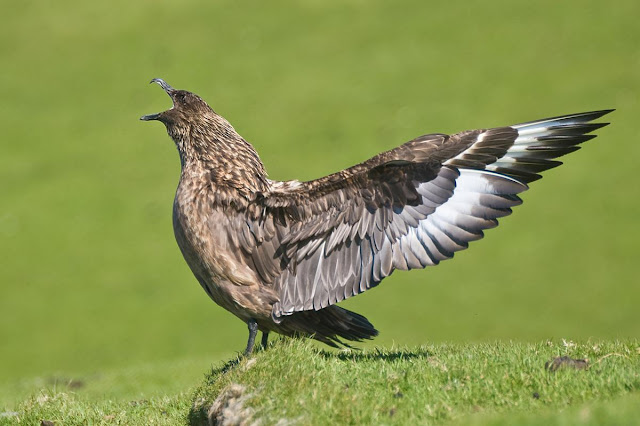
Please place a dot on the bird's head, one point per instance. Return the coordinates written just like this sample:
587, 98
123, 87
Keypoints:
204, 137
186, 108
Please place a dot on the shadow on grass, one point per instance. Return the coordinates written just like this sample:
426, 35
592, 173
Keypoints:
377, 355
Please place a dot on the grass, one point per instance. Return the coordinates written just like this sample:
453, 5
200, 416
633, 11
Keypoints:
618, 411
294, 382
92, 282
68, 409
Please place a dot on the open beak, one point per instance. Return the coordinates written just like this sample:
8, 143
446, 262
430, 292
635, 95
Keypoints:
167, 89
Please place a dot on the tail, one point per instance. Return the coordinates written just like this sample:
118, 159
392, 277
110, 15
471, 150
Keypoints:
330, 325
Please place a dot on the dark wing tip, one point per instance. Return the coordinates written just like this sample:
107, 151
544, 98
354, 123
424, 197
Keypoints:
594, 115
581, 117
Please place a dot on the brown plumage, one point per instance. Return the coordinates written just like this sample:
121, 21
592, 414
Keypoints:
280, 255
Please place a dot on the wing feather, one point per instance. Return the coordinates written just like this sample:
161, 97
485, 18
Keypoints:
323, 241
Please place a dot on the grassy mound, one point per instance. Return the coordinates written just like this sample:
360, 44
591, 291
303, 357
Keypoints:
295, 383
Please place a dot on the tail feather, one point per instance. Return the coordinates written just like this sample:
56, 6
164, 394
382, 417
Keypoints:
330, 325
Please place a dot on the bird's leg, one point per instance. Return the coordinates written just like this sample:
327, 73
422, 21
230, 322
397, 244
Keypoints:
265, 338
253, 331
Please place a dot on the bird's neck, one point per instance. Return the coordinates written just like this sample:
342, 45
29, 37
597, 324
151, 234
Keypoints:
225, 159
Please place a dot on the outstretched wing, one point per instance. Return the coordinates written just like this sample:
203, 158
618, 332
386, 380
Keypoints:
323, 241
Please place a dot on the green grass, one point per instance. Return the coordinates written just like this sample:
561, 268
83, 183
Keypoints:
296, 382
65, 408
619, 411
92, 282
436, 383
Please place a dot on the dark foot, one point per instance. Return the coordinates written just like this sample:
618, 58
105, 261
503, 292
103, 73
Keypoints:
265, 338
253, 331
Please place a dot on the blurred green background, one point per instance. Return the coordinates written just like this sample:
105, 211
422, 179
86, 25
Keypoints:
91, 278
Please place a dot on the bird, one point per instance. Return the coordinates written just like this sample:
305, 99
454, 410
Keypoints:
280, 255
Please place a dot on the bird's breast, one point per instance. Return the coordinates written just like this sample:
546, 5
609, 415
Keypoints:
205, 234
